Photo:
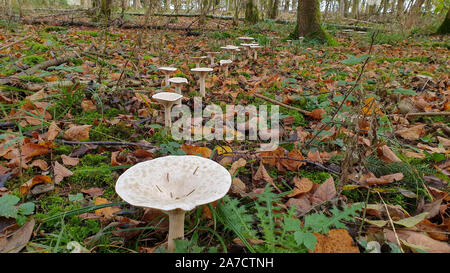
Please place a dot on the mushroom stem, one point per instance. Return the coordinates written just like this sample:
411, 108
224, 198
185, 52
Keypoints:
226, 70
176, 227
197, 64
167, 119
202, 85
255, 54
178, 90
166, 79
211, 60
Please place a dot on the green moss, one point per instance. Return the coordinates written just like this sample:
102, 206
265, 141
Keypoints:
37, 47
99, 175
33, 79
33, 60
103, 131
54, 28
63, 149
93, 159
314, 175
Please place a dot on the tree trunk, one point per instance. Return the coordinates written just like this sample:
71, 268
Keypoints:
205, 6
414, 13
286, 5
400, 7
308, 20
355, 9
251, 12
236, 12
272, 9
445, 26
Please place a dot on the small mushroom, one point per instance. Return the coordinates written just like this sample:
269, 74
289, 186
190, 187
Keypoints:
174, 185
255, 51
166, 70
198, 60
202, 71
178, 83
211, 56
167, 99
246, 38
232, 49
225, 64
247, 46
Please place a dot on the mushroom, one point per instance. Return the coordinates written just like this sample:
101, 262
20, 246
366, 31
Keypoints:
248, 49
166, 70
167, 99
174, 185
225, 64
231, 49
211, 56
197, 60
246, 38
255, 51
178, 83
202, 71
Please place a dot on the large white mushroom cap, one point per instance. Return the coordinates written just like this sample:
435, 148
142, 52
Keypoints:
246, 38
223, 62
174, 182
167, 68
202, 69
167, 97
178, 80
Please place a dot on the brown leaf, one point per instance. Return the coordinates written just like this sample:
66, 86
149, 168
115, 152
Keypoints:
237, 186
418, 239
93, 192
325, 192
70, 161
315, 157
107, 212
30, 150
261, 174
53, 131
88, 105
301, 204
273, 159
433, 230
293, 165
60, 172
317, 113
40, 164
336, 241
38, 179
302, 185
78, 133
412, 133
387, 155
236, 165
18, 239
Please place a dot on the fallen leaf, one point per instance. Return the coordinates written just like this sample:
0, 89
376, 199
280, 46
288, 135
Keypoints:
194, 150
387, 155
38, 179
336, 241
53, 131
41, 164
237, 186
293, 165
78, 133
236, 165
107, 212
88, 105
70, 161
412, 133
301, 204
317, 113
325, 192
418, 239
60, 172
93, 192
302, 185
18, 239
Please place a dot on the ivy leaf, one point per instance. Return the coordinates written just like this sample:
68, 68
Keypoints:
8, 206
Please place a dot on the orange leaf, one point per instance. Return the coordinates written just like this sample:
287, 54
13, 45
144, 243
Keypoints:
38, 179
78, 133
194, 150
107, 212
302, 185
317, 113
336, 241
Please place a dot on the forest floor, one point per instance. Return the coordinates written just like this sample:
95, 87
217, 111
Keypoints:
383, 96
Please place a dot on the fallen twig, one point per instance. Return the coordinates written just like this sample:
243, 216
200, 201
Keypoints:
282, 104
106, 143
